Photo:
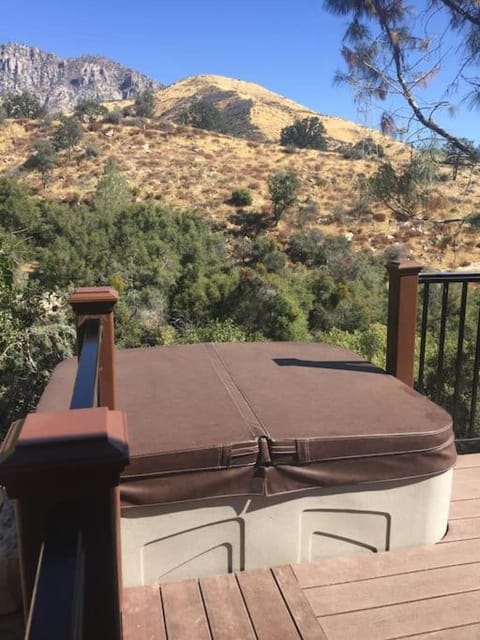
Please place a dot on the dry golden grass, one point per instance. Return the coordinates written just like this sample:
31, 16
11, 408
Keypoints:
191, 168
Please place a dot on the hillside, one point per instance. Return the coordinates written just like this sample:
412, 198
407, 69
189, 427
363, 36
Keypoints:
250, 109
60, 83
192, 168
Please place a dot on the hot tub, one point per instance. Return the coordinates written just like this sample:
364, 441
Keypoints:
260, 454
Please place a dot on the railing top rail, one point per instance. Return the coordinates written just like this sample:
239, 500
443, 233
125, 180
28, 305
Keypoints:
85, 388
440, 277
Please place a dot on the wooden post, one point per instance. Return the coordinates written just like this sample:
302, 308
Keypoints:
98, 302
71, 458
402, 319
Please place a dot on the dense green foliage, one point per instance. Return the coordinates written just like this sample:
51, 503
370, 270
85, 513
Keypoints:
35, 334
90, 110
308, 133
179, 281
204, 115
68, 133
283, 187
405, 192
144, 105
42, 159
22, 105
365, 148
240, 198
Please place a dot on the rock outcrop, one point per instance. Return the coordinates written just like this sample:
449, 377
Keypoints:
61, 83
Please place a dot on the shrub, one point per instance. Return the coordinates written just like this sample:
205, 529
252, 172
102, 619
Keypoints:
22, 105
43, 159
145, 104
90, 110
67, 134
308, 133
113, 117
204, 115
240, 198
91, 151
366, 148
283, 187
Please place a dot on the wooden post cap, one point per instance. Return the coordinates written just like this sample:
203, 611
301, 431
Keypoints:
405, 267
93, 300
65, 440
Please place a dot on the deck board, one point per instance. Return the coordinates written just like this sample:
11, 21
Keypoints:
143, 614
380, 592
266, 606
185, 615
300, 611
226, 611
419, 593
396, 621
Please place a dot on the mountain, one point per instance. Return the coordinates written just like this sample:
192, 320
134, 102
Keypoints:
62, 82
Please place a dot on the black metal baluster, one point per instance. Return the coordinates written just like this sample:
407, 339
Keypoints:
476, 367
85, 390
423, 336
459, 358
441, 345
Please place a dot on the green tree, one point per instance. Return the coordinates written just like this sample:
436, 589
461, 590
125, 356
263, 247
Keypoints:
204, 115
365, 148
43, 159
308, 133
68, 133
22, 105
90, 110
406, 192
394, 49
112, 193
35, 336
458, 158
145, 104
265, 303
283, 187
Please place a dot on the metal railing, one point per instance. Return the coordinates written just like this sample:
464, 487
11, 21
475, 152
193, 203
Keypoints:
57, 606
449, 346
438, 349
56, 611
85, 391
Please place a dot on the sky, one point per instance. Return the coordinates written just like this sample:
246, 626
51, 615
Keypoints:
288, 46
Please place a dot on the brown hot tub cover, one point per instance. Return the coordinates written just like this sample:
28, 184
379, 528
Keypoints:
210, 420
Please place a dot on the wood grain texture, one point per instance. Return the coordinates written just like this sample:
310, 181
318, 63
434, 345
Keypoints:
338, 570
266, 606
464, 509
185, 616
298, 605
143, 614
465, 529
399, 589
397, 621
226, 611
469, 460
464, 632
466, 483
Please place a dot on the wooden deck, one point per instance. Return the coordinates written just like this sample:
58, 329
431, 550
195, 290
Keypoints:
420, 593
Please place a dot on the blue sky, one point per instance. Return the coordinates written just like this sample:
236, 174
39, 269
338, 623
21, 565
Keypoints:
289, 46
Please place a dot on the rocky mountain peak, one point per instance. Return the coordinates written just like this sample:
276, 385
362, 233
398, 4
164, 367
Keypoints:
61, 83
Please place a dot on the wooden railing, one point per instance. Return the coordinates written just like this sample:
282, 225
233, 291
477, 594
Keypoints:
445, 371
63, 468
